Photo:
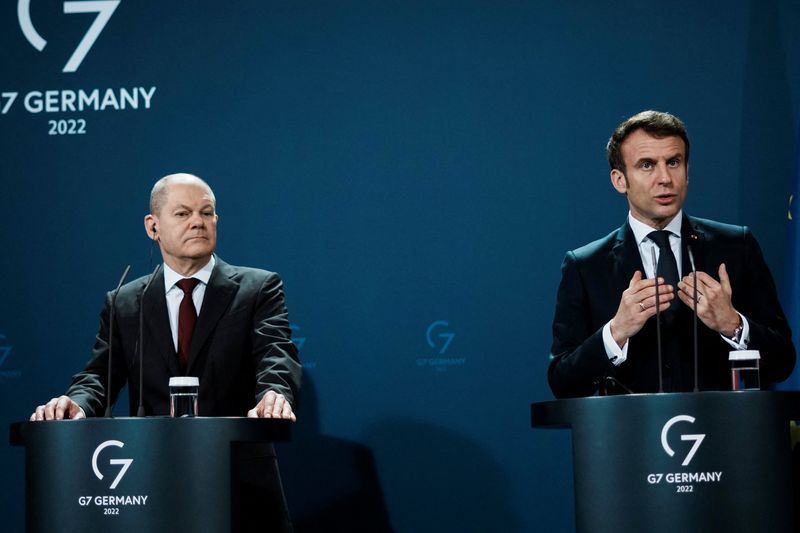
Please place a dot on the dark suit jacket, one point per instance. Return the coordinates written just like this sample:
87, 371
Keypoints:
241, 346
593, 279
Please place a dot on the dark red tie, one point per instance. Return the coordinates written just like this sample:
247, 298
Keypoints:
187, 316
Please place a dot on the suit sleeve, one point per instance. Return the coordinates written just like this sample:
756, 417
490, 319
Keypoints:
88, 386
769, 330
578, 357
276, 359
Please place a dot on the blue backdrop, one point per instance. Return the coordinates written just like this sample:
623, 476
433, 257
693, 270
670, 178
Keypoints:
414, 170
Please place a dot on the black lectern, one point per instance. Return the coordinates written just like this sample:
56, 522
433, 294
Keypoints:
137, 474
682, 462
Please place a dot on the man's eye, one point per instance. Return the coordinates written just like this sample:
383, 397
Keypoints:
673, 163
181, 214
647, 165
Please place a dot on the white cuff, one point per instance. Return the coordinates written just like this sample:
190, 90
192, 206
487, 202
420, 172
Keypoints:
615, 354
744, 337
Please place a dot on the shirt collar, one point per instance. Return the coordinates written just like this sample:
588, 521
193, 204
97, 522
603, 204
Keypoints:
642, 230
204, 274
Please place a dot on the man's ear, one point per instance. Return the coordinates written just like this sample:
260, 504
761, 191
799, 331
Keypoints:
151, 227
619, 181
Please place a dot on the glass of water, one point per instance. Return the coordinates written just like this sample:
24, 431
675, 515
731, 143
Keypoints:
183, 396
745, 370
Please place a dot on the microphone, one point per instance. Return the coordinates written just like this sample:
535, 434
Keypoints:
694, 275
140, 343
658, 322
605, 381
111, 339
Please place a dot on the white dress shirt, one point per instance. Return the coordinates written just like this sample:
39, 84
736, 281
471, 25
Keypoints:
174, 294
646, 246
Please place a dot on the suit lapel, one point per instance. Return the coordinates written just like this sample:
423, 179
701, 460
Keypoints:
627, 259
156, 319
219, 293
693, 236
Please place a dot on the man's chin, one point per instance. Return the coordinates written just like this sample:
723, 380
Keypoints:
198, 252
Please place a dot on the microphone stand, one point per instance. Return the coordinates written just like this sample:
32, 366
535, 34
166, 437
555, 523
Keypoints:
111, 338
694, 276
140, 344
658, 322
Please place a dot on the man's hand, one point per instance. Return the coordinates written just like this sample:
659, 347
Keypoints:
637, 305
273, 405
714, 305
58, 409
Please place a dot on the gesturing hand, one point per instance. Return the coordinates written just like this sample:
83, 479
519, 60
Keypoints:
637, 305
714, 306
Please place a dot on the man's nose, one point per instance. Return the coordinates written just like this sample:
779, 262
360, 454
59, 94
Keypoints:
663, 177
196, 220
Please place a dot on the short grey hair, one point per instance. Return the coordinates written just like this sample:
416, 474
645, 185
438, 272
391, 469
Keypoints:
158, 195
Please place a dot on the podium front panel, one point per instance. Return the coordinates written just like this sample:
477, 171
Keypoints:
134, 475
683, 462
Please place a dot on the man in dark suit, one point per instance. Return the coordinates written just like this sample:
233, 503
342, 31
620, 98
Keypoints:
604, 330
225, 324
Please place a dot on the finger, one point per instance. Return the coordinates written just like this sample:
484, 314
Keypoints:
76, 413
663, 306
49, 409
637, 276
650, 292
253, 413
703, 280
61, 407
267, 404
686, 299
705, 285
287, 411
665, 295
280, 402
724, 280
38, 414
640, 288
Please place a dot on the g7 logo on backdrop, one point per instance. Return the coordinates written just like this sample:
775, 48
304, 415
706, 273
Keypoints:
697, 438
446, 336
4, 351
298, 341
104, 10
126, 463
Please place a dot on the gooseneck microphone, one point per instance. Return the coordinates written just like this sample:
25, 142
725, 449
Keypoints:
694, 275
111, 338
658, 321
140, 343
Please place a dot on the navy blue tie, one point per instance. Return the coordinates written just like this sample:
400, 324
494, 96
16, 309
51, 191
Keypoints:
667, 267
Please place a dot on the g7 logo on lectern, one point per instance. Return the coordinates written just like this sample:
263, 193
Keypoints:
697, 438
126, 463
104, 10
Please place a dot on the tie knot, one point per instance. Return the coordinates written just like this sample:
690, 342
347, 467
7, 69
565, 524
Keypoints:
661, 238
187, 285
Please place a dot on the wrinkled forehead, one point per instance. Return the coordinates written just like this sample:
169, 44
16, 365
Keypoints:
643, 144
179, 190
189, 192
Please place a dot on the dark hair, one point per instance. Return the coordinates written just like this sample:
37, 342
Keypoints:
656, 123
